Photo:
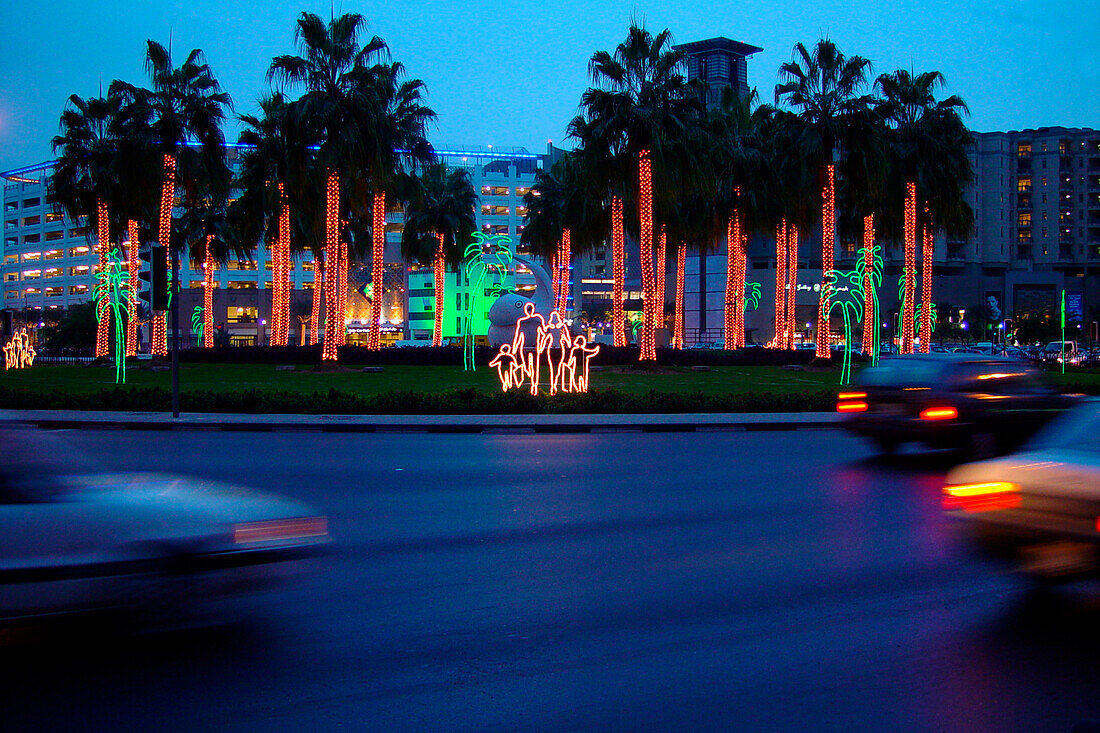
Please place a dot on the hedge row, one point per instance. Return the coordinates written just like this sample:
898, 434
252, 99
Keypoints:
454, 402
449, 355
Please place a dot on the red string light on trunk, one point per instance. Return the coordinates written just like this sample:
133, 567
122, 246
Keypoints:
332, 258
869, 319
618, 271
648, 350
906, 346
828, 243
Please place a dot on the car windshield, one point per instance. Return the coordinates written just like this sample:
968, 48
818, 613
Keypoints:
902, 373
35, 465
1078, 430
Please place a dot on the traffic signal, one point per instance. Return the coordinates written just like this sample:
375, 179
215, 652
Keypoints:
155, 293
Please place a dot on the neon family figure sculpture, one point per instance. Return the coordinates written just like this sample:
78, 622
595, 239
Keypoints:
566, 357
18, 352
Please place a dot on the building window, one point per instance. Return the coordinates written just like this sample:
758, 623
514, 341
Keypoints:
31, 256
1023, 150
31, 202
78, 271
1023, 219
241, 285
31, 220
54, 236
55, 292
31, 239
1023, 185
54, 272
78, 251
78, 289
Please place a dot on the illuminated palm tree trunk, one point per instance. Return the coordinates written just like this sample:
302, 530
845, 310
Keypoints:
342, 293
208, 297
740, 269
318, 291
870, 318
927, 246
333, 258
678, 323
133, 266
792, 282
378, 239
164, 236
906, 346
280, 273
566, 267
735, 283
103, 329
828, 242
437, 332
659, 277
647, 344
618, 271
781, 262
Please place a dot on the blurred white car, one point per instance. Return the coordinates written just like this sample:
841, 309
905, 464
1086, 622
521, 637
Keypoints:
1038, 509
164, 545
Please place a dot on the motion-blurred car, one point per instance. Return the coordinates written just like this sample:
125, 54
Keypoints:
1038, 509
166, 546
982, 405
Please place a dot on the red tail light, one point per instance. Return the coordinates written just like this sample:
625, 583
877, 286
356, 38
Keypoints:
939, 413
982, 497
851, 402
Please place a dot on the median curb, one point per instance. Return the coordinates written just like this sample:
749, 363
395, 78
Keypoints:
652, 423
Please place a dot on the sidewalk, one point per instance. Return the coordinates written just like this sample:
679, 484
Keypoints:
56, 419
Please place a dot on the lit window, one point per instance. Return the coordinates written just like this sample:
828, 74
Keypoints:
1024, 184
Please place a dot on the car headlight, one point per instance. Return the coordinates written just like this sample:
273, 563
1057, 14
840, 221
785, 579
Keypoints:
280, 530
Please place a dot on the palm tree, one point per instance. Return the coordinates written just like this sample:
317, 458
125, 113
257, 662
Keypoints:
823, 87
927, 142
367, 121
272, 169
737, 161
184, 104
641, 98
85, 178
439, 222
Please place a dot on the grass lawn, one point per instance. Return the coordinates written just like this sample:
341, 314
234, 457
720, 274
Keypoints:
224, 378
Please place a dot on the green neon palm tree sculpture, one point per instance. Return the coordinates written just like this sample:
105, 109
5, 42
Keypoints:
111, 294
198, 322
752, 295
916, 310
486, 255
845, 291
876, 282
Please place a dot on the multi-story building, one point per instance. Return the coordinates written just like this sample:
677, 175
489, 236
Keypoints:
49, 260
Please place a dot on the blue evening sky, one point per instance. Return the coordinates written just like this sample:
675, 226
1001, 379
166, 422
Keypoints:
511, 73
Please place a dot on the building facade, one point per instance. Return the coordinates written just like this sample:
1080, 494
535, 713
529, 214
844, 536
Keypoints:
50, 261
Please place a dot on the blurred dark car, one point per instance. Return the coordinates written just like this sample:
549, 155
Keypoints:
1039, 509
981, 405
74, 540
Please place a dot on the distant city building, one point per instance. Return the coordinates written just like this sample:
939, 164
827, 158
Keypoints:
49, 260
720, 63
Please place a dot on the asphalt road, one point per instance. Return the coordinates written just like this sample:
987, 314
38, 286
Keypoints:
687, 581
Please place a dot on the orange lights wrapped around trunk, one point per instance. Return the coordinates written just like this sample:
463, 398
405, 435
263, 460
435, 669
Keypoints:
618, 271
828, 243
648, 349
